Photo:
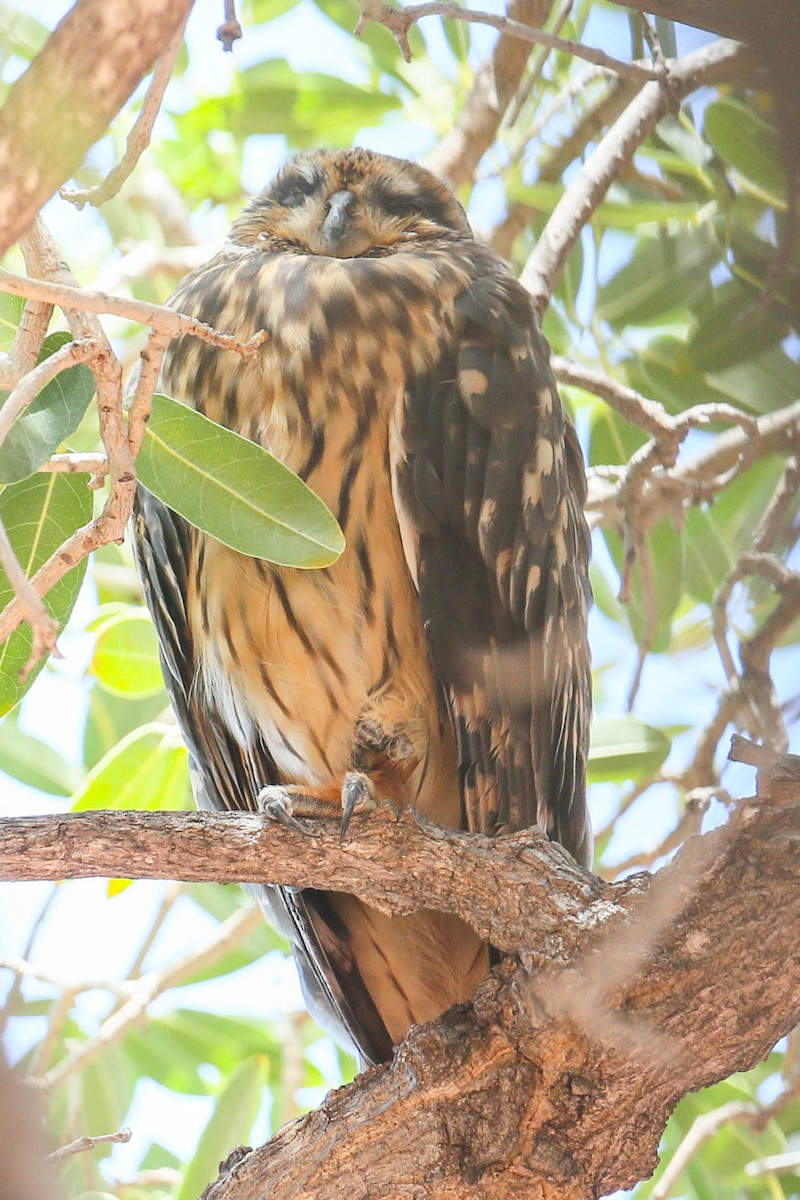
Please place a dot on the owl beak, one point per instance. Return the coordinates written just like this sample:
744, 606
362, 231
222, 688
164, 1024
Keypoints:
336, 224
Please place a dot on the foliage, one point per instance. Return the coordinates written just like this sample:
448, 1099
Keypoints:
661, 293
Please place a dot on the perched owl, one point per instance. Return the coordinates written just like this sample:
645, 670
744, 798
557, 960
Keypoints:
442, 661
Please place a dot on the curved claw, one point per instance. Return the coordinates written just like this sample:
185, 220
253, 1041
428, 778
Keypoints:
358, 795
276, 803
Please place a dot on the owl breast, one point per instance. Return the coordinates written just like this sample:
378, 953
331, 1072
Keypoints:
329, 667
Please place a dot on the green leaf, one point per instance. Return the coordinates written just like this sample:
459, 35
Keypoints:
21, 33
125, 658
749, 145
111, 717
147, 770
612, 439
624, 748
33, 761
706, 558
650, 617
230, 1124
39, 513
307, 107
56, 412
234, 490
664, 274
734, 329
766, 383
11, 309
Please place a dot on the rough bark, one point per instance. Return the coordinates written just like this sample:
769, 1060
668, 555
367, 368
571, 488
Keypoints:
64, 102
557, 1081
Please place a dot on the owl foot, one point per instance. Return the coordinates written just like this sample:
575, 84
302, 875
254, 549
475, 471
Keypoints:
279, 805
358, 795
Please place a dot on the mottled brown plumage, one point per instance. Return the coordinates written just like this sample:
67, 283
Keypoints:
444, 655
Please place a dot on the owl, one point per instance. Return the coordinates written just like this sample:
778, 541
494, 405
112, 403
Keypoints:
441, 663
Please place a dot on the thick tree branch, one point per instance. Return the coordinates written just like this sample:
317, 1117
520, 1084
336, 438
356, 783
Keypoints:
566, 1076
516, 891
568, 1062
65, 100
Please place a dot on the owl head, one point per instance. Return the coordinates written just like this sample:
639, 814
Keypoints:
350, 204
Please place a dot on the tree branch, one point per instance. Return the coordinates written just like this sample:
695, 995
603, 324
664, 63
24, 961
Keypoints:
457, 155
504, 885
613, 153
72, 90
569, 1061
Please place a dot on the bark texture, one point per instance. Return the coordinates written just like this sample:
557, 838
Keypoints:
556, 1083
92, 63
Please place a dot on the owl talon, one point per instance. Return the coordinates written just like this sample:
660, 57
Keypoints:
277, 804
358, 795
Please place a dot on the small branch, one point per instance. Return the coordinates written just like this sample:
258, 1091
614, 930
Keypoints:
28, 340
230, 31
399, 20
76, 464
139, 412
32, 609
139, 136
28, 389
229, 934
703, 1129
614, 152
82, 1144
456, 156
164, 320
632, 405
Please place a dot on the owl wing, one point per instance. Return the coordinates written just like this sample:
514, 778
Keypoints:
227, 775
489, 489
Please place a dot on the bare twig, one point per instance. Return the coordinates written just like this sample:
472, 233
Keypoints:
456, 156
230, 30
72, 464
164, 320
82, 1144
139, 136
229, 934
703, 1129
400, 20
614, 152
32, 609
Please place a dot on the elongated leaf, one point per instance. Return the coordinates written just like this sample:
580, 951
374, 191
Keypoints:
230, 1123
33, 762
663, 275
147, 770
125, 658
706, 558
56, 412
749, 145
39, 513
734, 329
650, 617
234, 490
111, 717
625, 748
11, 308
